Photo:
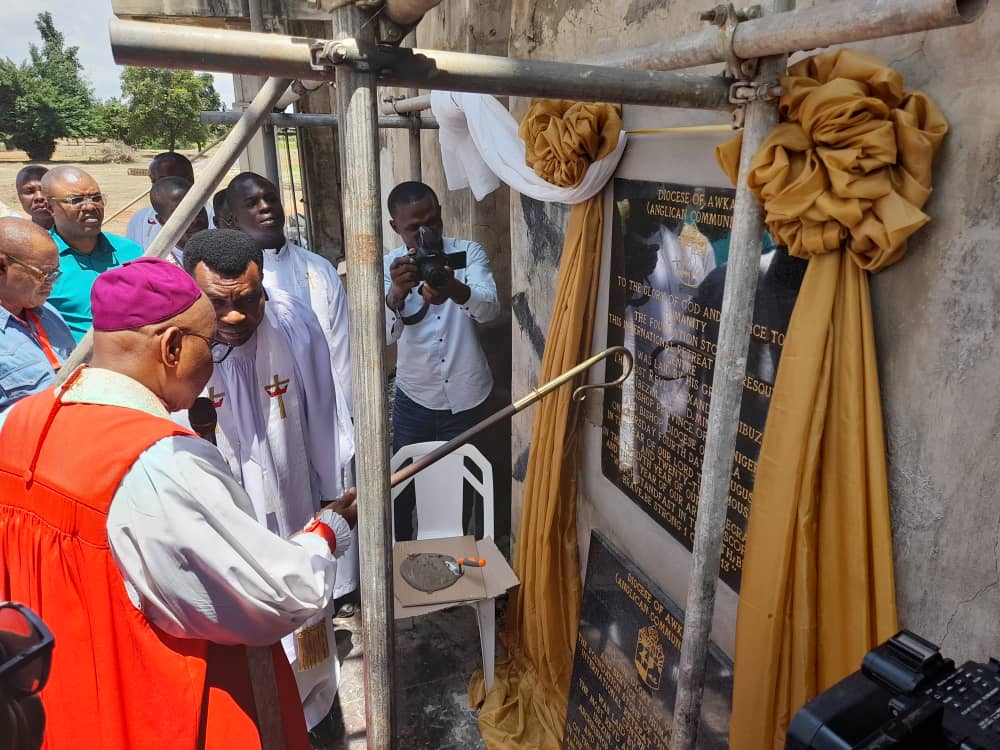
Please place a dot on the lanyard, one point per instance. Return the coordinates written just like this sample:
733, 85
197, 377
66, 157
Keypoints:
35, 325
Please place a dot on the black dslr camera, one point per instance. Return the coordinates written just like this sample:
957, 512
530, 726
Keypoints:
431, 259
906, 696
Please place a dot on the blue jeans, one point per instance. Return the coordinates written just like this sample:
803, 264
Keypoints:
413, 423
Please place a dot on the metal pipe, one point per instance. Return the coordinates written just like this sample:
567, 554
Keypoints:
490, 74
735, 322
269, 146
820, 26
297, 90
286, 136
416, 166
304, 120
356, 97
518, 406
405, 106
200, 192
171, 46
413, 141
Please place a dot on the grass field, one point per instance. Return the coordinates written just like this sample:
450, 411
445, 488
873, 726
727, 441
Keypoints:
116, 183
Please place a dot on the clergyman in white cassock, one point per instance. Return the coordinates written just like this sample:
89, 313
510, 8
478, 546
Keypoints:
312, 279
275, 399
257, 210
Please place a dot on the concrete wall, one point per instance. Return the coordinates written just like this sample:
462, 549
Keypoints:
936, 318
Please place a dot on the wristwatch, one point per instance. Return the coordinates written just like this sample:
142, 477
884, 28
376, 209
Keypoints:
318, 527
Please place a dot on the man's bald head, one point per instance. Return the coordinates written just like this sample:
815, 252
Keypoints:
77, 206
18, 235
28, 260
66, 175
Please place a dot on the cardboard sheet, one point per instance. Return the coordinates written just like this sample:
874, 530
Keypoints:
495, 578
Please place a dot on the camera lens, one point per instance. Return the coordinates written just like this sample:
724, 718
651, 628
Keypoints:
437, 277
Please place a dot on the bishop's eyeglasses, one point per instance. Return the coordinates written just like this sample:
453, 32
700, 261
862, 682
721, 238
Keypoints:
220, 349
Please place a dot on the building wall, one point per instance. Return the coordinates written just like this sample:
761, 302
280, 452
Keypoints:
936, 323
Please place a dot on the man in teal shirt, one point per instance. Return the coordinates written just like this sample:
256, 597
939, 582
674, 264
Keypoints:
85, 252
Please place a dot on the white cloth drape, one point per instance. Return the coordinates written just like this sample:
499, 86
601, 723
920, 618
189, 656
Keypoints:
481, 147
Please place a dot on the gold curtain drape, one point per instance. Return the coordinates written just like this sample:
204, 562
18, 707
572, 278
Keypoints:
842, 179
527, 706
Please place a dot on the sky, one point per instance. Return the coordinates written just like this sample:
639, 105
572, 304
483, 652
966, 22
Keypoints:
85, 25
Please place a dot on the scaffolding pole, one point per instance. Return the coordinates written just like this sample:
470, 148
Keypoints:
810, 28
269, 146
407, 105
201, 192
357, 105
724, 410
170, 46
416, 166
308, 120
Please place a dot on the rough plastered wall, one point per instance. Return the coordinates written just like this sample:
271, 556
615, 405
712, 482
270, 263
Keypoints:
936, 316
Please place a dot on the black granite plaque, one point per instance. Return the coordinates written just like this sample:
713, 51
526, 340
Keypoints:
669, 248
625, 668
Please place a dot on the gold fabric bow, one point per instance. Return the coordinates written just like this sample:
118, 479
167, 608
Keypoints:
850, 165
562, 138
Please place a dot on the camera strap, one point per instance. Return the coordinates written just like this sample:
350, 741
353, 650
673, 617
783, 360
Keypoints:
410, 320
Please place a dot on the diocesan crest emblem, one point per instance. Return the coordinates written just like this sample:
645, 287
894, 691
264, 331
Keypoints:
649, 657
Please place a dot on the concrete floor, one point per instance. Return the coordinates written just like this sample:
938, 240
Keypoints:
435, 657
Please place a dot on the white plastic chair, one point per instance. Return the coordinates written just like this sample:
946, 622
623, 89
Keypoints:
439, 491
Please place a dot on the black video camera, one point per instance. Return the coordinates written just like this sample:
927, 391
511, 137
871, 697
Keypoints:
906, 696
431, 259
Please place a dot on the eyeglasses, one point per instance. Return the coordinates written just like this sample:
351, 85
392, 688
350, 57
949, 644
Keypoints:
219, 349
43, 276
76, 201
23, 634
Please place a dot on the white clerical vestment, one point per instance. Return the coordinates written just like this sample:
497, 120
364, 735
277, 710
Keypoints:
312, 279
276, 400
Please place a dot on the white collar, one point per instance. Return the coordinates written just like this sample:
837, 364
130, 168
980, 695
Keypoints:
95, 385
277, 250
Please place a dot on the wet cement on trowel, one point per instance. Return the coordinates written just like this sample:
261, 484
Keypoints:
428, 571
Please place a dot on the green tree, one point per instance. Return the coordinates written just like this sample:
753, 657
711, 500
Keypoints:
111, 121
46, 97
165, 105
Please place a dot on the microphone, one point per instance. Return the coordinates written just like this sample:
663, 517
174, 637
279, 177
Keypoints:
203, 418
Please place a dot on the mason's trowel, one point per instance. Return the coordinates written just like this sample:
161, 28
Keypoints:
432, 571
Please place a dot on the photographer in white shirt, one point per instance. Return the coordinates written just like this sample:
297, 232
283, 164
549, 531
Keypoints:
443, 380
